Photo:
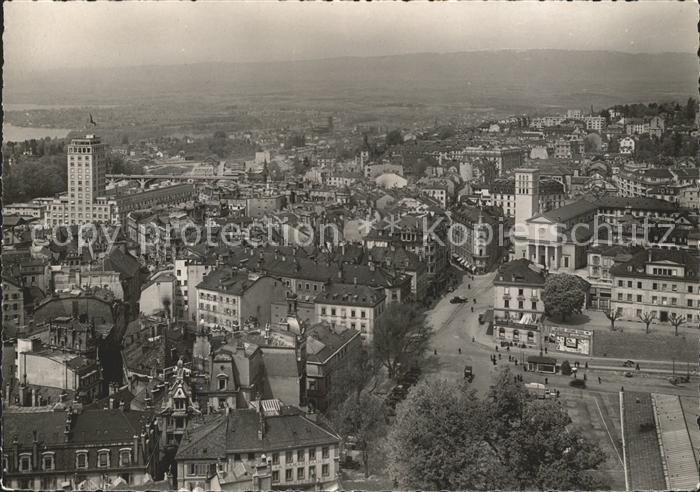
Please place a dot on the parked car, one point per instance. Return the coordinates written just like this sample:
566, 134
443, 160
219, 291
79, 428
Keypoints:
458, 300
481, 319
628, 363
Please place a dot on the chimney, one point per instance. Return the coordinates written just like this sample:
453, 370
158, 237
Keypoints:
15, 444
136, 449
35, 451
261, 419
69, 425
650, 257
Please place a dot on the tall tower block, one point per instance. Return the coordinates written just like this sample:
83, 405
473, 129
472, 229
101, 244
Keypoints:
86, 175
526, 194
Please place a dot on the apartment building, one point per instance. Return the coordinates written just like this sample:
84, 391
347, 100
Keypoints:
658, 281
518, 308
229, 299
298, 452
354, 306
79, 450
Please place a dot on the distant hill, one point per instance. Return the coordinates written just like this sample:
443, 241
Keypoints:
531, 78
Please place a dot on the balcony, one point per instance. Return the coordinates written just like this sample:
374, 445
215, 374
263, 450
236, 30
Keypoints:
506, 296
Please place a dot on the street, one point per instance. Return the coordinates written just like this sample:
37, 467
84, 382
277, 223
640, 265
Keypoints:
454, 327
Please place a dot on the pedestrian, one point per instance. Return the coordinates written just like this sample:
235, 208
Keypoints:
546, 381
508, 348
469, 286
637, 368
557, 393
545, 350
516, 362
585, 377
475, 300
434, 351
586, 364
473, 340
622, 388
600, 381
496, 348
515, 378
499, 356
460, 350
472, 309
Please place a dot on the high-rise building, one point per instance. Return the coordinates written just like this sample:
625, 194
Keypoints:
86, 173
86, 201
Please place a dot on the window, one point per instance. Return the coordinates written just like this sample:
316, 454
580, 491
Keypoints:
81, 459
275, 458
332, 311
323, 311
125, 457
25, 462
619, 296
362, 313
506, 303
690, 289
300, 455
222, 383
324, 452
288, 457
275, 476
47, 461
288, 475
312, 454
639, 298
325, 470
654, 286
103, 458
619, 283
300, 473
629, 283
312, 473
639, 285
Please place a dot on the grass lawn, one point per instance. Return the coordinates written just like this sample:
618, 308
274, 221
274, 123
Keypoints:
641, 346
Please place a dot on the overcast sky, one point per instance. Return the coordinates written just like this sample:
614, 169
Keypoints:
48, 35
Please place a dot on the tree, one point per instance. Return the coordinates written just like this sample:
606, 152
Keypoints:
438, 441
613, 315
401, 335
352, 376
676, 321
446, 438
362, 416
647, 318
394, 138
565, 368
690, 109
563, 295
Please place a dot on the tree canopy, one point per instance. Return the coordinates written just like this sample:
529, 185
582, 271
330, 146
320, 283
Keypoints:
400, 336
445, 437
563, 295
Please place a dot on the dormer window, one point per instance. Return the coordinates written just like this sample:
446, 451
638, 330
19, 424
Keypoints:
25, 462
223, 382
103, 458
179, 403
47, 461
81, 459
125, 457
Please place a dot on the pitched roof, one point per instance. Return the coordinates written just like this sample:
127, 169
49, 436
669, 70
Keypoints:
570, 211
350, 295
323, 340
520, 271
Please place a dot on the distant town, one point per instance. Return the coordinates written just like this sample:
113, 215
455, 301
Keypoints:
506, 302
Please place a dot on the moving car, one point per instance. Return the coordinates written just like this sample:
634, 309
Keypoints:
458, 300
468, 373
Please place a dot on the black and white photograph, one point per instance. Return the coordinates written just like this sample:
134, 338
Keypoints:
350, 246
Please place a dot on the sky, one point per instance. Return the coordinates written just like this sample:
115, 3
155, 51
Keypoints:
46, 35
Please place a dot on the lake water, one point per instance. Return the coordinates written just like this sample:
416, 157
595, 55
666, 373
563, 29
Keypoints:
12, 133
